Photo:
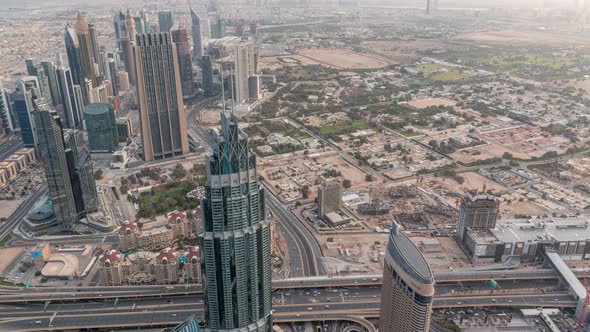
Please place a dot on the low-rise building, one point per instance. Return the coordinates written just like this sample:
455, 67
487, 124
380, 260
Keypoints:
192, 265
166, 267
110, 267
9, 168
178, 224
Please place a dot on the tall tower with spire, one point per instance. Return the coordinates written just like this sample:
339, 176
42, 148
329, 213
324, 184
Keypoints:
235, 241
86, 55
75, 60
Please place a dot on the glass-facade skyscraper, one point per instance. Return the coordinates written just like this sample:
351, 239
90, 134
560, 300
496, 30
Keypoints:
185, 65
196, 34
101, 125
207, 76
52, 152
235, 242
27, 91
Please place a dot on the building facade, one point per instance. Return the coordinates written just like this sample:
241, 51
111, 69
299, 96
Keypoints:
477, 212
185, 65
235, 239
196, 35
101, 125
166, 21
408, 287
52, 151
110, 267
27, 92
162, 114
207, 74
85, 47
329, 198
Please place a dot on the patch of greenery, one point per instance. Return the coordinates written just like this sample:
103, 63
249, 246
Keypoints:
5, 240
167, 198
344, 128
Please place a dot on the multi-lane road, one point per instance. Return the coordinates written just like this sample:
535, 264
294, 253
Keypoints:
25, 208
304, 252
288, 305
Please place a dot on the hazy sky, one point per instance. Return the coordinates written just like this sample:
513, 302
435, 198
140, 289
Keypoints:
442, 3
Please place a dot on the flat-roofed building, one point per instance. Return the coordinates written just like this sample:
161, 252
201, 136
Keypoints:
479, 211
408, 286
329, 198
29, 153
19, 160
10, 168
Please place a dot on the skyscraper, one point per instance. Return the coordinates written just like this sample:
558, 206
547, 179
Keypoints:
127, 44
245, 67
235, 242
51, 149
101, 125
477, 212
408, 287
196, 34
207, 74
166, 20
34, 68
27, 91
70, 103
94, 42
8, 123
329, 198
119, 22
75, 60
185, 65
85, 46
162, 115
216, 26
49, 68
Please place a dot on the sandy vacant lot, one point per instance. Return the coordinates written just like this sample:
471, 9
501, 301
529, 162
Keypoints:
8, 256
8, 207
473, 181
522, 208
403, 51
343, 58
423, 103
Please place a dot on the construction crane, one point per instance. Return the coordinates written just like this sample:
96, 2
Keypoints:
581, 321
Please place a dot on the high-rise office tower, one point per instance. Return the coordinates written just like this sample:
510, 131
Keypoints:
245, 67
166, 20
128, 51
196, 34
70, 103
75, 61
140, 26
51, 149
477, 212
112, 65
207, 74
119, 22
94, 42
185, 65
27, 91
73, 54
216, 26
146, 21
8, 122
162, 115
329, 198
408, 287
101, 125
34, 68
49, 69
235, 241
85, 46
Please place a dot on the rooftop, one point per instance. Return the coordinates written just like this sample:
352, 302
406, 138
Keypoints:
561, 230
408, 256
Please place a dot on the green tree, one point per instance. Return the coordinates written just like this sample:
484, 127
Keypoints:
346, 183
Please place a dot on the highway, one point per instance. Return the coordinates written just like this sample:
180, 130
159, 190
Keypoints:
288, 305
16, 218
304, 251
